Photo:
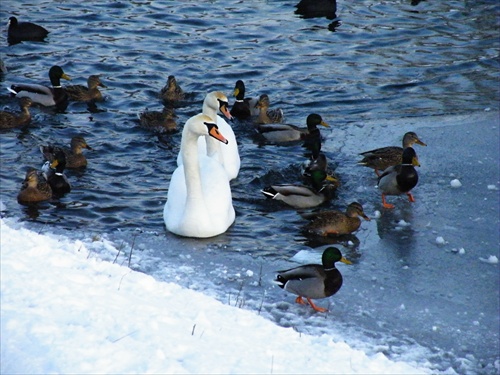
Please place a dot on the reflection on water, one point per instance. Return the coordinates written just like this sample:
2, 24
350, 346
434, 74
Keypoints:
395, 230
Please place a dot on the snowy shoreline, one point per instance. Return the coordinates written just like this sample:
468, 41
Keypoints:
64, 311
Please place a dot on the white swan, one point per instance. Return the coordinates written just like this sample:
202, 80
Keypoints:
227, 155
199, 202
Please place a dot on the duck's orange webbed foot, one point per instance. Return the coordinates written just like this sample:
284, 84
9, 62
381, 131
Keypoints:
299, 300
317, 308
410, 197
385, 204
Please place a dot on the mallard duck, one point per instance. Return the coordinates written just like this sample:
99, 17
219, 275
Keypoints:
279, 133
74, 156
10, 120
171, 92
317, 160
266, 115
19, 31
34, 189
300, 196
163, 121
314, 280
336, 222
243, 107
401, 178
80, 93
54, 174
382, 158
47, 96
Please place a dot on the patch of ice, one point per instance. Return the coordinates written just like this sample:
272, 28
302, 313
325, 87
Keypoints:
305, 256
440, 240
461, 250
377, 214
249, 273
490, 187
455, 183
492, 259
403, 223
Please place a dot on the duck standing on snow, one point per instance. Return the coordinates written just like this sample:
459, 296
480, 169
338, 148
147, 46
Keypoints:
335, 222
199, 202
280, 133
314, 281
10, 120
401, 178
382, 158
80, 93
46, 96
243, 107
54, 174
74, 156
34, 189
19, 31
172, 92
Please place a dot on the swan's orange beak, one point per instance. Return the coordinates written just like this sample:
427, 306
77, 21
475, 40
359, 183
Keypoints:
213, 131
225, 111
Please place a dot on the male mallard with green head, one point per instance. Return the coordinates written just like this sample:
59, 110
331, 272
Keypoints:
401, 178
314, 281
44, 95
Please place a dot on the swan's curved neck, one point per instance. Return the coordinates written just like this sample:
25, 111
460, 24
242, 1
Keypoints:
213, 145
189, 153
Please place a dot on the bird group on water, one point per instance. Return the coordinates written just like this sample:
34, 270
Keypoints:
199, 201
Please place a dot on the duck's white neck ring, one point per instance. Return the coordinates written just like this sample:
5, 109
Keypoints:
239, 101
57, 87
330, 269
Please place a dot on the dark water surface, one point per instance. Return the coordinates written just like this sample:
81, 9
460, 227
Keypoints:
377, 61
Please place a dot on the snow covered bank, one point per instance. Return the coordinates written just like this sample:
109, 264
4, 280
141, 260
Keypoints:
65, 311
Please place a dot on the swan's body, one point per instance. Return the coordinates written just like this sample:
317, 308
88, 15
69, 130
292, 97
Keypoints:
199, 202
227, 155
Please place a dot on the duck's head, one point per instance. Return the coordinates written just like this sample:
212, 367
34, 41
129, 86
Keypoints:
171, 82
79, 142
356, 209
12, 22
25, 102
313, 120
31, 178
239, 90
263, 102
59, 161
332, 255
55, 75
411, 138
93, 81
410, 157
